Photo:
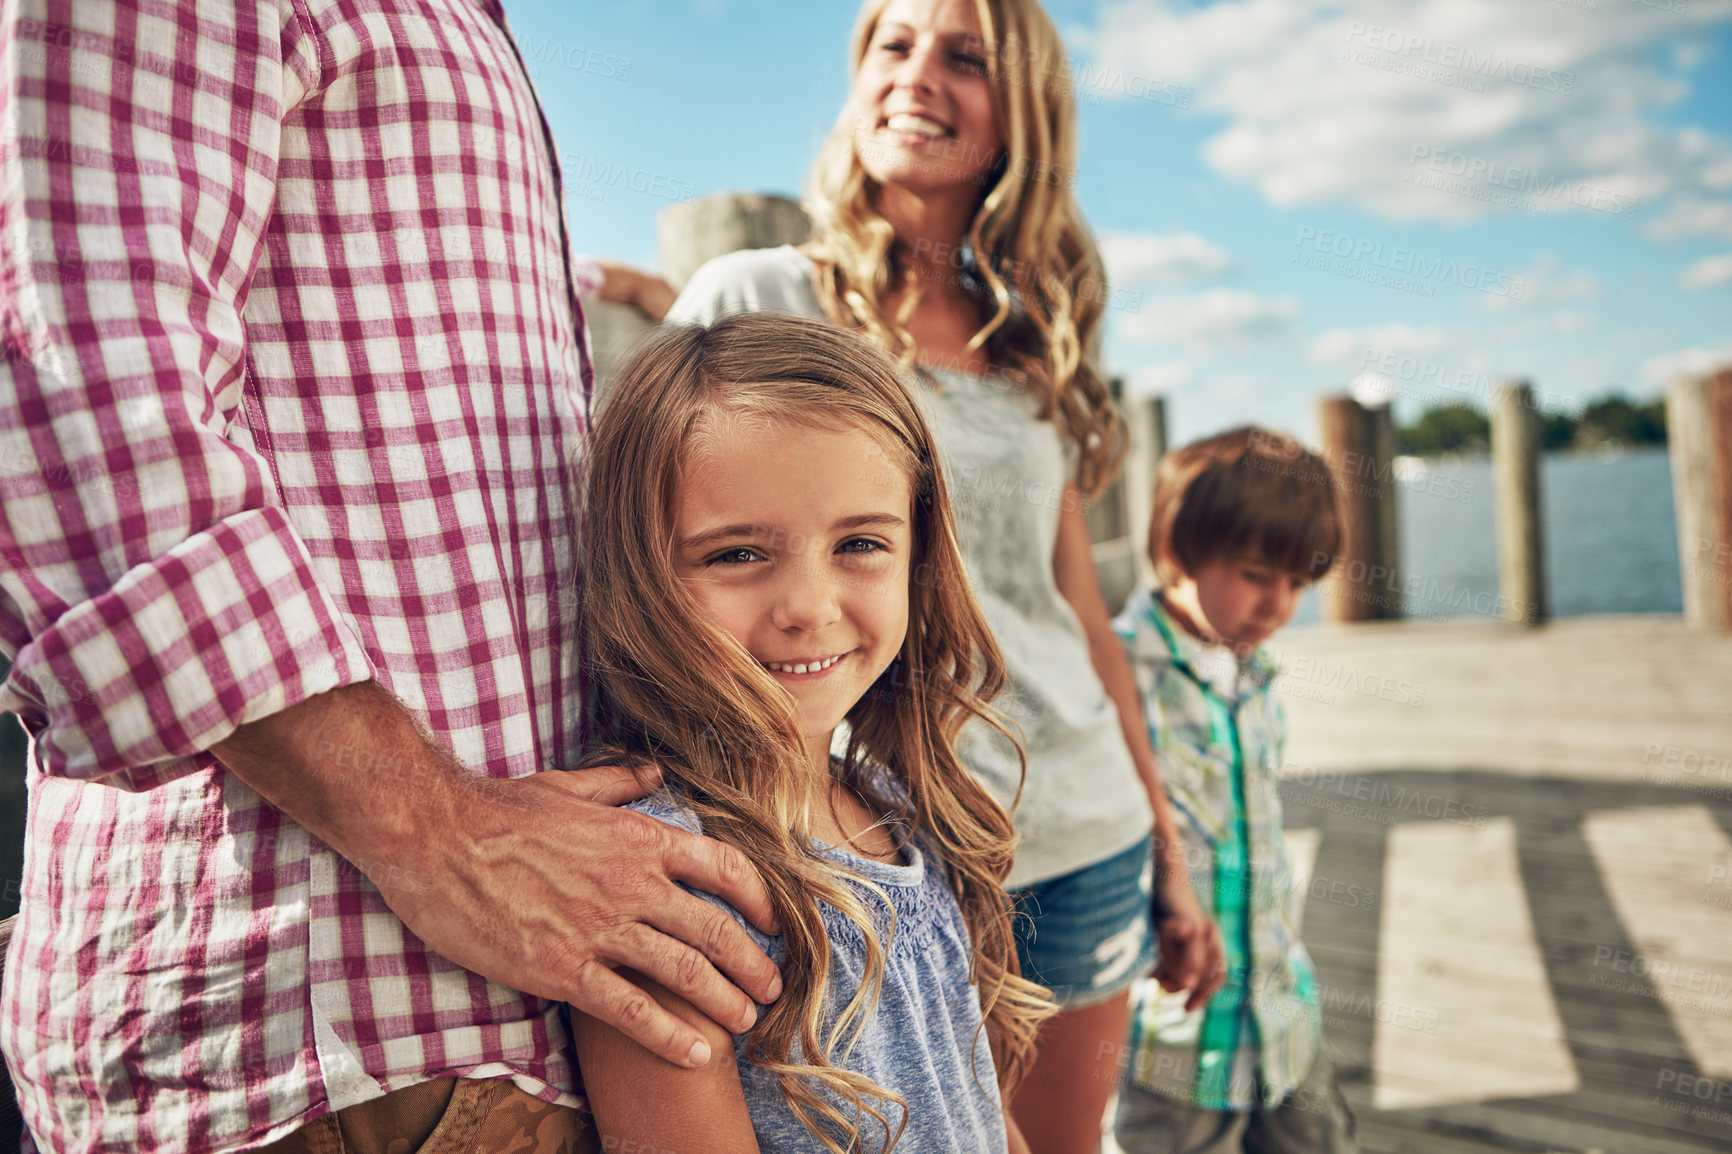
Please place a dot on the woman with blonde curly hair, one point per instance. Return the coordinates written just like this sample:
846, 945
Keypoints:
948, 232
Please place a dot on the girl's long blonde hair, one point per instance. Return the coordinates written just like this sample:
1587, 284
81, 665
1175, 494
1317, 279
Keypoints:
687, 696
1039, 273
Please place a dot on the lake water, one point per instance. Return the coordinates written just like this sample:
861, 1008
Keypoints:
1611, 536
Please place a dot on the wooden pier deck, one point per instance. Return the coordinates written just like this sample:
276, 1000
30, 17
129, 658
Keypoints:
1520, 894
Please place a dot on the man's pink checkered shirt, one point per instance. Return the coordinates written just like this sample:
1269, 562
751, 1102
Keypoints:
291, 389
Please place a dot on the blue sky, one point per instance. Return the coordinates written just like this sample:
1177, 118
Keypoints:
1289, 193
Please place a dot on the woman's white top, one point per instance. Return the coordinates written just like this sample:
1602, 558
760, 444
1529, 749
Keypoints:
1006, 470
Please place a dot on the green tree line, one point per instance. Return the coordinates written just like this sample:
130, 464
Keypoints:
1613, 419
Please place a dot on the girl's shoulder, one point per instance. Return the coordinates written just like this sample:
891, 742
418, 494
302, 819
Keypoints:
750, 280
666, 807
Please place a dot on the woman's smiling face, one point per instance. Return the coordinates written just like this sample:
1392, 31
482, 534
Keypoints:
922, 101
797, 541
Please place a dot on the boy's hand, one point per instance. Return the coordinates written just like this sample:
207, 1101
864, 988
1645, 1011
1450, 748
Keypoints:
1191, 955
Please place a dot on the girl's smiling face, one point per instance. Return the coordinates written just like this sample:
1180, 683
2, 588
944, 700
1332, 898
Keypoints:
796, 541
922, 100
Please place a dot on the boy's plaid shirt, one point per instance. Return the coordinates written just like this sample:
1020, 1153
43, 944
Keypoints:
291, 387
1269, 1008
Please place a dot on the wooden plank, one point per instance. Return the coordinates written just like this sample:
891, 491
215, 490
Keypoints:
1665, 868
1551, 1124
1380, 1134
1608, 698
1621, 1041
1495, 1029
1302, 857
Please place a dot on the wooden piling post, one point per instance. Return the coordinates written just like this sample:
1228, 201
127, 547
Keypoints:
1147, 417
1118, 519
1359, 445
1699, 434
687, 235
1382, 421
613, 330
1515, 456
695, 231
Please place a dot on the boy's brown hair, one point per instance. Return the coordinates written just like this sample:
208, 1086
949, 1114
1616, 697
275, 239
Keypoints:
1248, 492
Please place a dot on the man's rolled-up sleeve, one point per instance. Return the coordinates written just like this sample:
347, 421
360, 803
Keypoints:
154, 593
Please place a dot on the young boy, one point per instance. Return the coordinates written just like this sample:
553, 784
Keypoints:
1242, 523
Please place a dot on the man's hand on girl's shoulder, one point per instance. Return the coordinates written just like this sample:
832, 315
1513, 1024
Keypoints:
539, 883
571, 889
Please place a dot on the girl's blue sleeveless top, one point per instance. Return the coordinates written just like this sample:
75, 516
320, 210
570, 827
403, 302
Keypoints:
924, 1041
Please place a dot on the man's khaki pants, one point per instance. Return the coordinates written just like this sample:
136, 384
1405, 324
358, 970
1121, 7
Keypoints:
447, 1116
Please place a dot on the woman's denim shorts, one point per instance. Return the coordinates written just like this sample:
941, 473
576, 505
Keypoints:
1089, 935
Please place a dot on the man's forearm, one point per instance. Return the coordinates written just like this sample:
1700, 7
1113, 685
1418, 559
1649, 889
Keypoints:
353, 767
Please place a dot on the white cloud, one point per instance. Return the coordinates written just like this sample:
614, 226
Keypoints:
1668, 367
1571, 323
1448, 110
1431, 364
1147, 259
1356, 348
1691, 215
1546, 284
1422, 364
1709, 272
1687, 55
1158, 379
1210, 320
1241, 391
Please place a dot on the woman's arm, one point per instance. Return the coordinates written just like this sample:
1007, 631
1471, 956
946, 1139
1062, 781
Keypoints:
1191, 955
645, 291
642, 1102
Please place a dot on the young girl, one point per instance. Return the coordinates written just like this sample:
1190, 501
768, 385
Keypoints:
948, 232
771, 553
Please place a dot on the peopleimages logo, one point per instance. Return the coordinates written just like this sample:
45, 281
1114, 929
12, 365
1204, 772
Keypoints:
1483, 179
1459, 58
1417, 377
1410, 269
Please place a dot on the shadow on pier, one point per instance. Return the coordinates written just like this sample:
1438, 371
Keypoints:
1519, 885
